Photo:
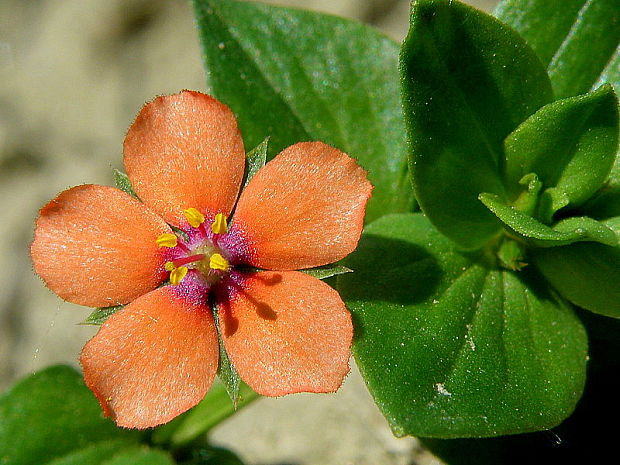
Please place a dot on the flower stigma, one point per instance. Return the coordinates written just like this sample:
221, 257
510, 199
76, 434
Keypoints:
203, 257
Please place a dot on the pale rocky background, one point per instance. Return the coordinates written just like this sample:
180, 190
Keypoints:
73, 74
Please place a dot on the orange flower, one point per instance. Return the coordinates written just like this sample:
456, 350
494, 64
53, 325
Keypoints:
284, 331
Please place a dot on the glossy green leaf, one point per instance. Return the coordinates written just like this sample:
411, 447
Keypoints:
567, 231
570, 144
122, 182
256, 159
611, 73
449, 345
613, 224
578, 439
587, 274
297, 75
99, 315
468, 82
606, 202
49, 415
324, 272
576, 39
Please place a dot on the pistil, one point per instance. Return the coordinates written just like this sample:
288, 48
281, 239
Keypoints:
185, 260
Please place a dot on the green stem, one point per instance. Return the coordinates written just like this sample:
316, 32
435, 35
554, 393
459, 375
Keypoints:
211, 411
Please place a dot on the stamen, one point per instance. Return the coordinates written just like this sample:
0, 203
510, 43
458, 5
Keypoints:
219, 225
169, 266
217, 262
194, 217
177, 275
166, 240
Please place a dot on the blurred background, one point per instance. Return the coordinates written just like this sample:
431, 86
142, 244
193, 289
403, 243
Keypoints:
73, 75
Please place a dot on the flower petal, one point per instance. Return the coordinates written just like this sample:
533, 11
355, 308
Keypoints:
305, 208
95, 245
152, 360
185, 151
287, 332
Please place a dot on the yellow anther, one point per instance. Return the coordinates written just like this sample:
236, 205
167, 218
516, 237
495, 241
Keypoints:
219, 225
177, 275
194, 217
169, 266
217, 262
166, 240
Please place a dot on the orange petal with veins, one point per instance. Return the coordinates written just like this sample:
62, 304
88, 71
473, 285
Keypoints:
305, 208
152, 360
95, 246
185, 151
287, 332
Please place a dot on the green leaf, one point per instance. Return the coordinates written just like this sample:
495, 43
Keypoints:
571, 146
468, 82
576, 439
140, 456
94, 454
297, 75
606, 202
256, 159
567, 231
122, 182
324, 272
99, 315
576, 39
449, 345
49, 415
587, 274
611, 73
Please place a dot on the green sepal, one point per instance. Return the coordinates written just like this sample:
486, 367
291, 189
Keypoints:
226, 370
299, 75
99, 315
570, 144
468, 82
577, 40
587, 274
327, 271
255, 160
122, 182
511, 254
537, 234
452, 346
179, 232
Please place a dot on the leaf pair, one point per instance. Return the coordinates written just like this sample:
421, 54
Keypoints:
453, 340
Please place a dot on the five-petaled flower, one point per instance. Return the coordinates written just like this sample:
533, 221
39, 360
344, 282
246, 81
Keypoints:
283, 330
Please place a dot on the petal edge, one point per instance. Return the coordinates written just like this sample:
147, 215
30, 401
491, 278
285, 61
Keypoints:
152, 360
287, 332
95, 245
185, 151
303, 209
